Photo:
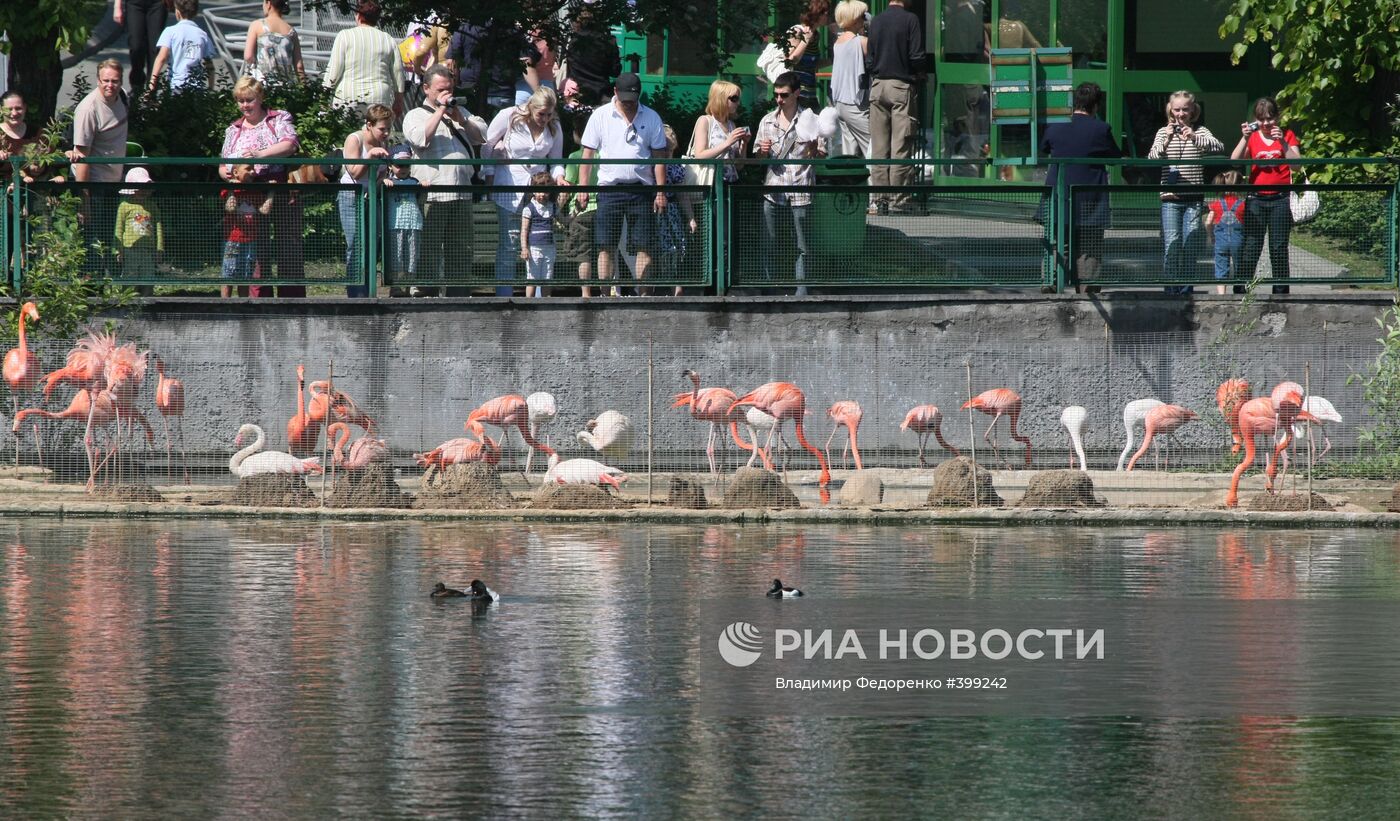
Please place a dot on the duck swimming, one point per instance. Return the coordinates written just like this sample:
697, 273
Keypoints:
480, 592
779, 591
442, 591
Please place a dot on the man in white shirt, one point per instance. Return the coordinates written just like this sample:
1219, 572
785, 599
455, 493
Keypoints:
624, 129
787, 132
99, 130
440, 130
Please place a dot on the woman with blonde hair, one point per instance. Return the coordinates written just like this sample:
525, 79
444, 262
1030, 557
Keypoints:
529, 132
1182, 139
850, 84
715, 136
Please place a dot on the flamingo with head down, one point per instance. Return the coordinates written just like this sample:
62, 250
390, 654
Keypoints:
710, 405
1257, 417
610, 434
1164, 420
543, 409
462, 449
1072, 418
845, 413
1134, 416
925, 420
999, 402
783, 401
96, 413
363, 451
505, 412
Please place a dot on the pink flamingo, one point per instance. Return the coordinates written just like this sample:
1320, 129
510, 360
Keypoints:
784, 400
99, 413
170, 401
84, 365
711, 405
505, 412
848, 413
1228, 397
1164, 420
1258, 416
583, 472
999, 402
302, 430
335, 406
363, 451
462, 449
21, 369
923, 420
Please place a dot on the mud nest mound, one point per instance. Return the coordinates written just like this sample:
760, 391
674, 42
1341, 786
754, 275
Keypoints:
1060, 488
468, 486
127, 493
756, 487
1394, 500
1286, 503
687, 494
575, 497
952, 486
273, 490
372, 487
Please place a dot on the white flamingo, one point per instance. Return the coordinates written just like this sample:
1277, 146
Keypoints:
583, 472
542, 410
1073, 418
254, 461
1324, 413
609, 434
1135, 417
757, 421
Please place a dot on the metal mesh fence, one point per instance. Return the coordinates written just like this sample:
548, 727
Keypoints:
631, 404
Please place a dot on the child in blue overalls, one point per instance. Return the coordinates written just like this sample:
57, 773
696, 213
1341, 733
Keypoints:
1225, 221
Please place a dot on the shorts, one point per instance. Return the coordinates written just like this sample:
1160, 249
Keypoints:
239, 258
630, 203
578, 240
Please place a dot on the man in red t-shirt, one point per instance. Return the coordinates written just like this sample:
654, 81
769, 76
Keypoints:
1267, 210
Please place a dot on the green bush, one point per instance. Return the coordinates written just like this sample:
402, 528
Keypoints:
1354, 220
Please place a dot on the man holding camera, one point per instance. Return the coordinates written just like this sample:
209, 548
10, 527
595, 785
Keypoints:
442, 129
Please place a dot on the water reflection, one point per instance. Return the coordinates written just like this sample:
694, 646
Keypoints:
256, 668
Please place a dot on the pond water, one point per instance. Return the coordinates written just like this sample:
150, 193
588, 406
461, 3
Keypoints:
281, 669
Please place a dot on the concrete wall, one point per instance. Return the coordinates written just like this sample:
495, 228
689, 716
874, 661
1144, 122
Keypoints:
422, 365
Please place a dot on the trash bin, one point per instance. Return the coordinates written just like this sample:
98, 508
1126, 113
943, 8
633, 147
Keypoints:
838, 217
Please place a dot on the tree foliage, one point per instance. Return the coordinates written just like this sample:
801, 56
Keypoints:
37, 33
1344, 60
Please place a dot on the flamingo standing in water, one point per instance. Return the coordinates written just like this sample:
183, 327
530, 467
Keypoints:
1165, 420
609, 434
709, 405
302, 430
923, 420
848, 413
462, 449
1134, 416
543, 409
1228, 397
363, 451
1259, 416
254, 461
505, 412
170, 401
782, 401
999, 402
21, 370
1073, 418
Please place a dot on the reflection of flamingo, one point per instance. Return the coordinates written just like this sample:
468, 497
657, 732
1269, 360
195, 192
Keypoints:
1134, 415
1258, 416
170, 401
1228, 397
609, 434
847, 413
1163, 419
999, 402
505, 412
21, 368
923, 420
583, 472
254, 461
710, 405
543, 409
1073, 418
302, 430
363, 451
784, 400
455, 451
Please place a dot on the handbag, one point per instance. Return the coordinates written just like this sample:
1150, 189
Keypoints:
1303, 205
702, 175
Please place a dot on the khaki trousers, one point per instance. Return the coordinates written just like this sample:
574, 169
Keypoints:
891, 136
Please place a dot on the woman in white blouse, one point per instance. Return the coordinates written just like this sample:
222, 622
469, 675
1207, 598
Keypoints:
525, 132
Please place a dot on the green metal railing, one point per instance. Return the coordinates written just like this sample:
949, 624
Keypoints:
988, 234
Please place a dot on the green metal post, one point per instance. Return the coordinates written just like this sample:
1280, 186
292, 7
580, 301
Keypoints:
370, 248
720, 234
14, 223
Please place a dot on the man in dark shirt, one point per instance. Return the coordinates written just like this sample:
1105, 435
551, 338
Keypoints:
895, 61
593, 60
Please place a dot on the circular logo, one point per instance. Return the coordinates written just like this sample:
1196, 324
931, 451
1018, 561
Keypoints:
739, 644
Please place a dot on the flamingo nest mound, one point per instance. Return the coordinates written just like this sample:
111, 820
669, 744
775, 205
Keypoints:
128, 493
372, 487
273, 490
555, 496
686, 494
1287, 503
756, 487
952, 486
1060, 488
468, 486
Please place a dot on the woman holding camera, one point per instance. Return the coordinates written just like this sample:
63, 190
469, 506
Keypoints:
1181, 140
1267, 211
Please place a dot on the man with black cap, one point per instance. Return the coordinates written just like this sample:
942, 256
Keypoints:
624, 129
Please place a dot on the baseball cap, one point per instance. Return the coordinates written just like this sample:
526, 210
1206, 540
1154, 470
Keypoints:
400, 152
629, 87
135, 175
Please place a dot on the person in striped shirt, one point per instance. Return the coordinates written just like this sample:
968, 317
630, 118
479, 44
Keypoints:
364, 64
1182, 139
